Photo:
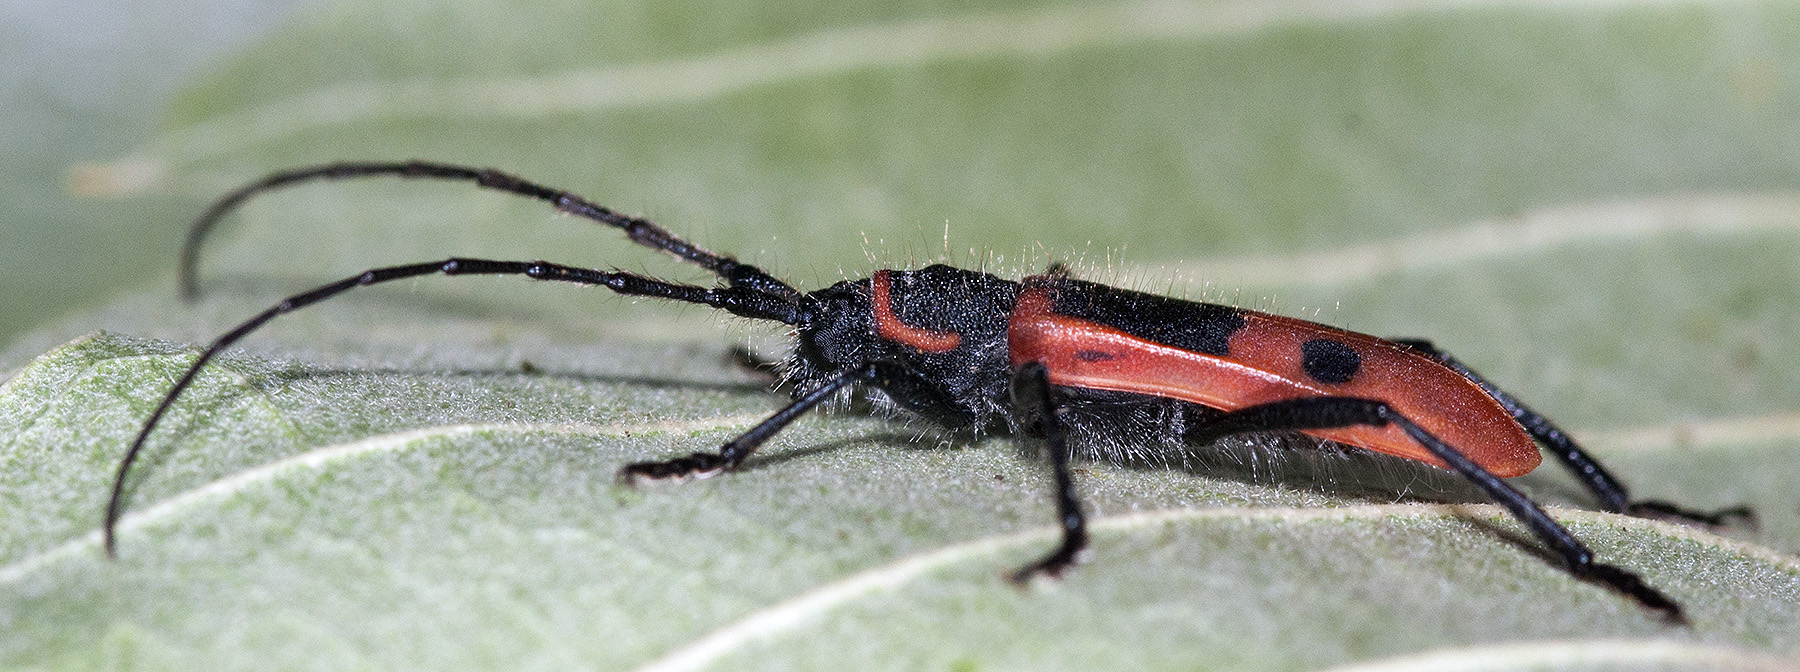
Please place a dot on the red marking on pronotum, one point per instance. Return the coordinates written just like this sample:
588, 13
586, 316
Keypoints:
889, 326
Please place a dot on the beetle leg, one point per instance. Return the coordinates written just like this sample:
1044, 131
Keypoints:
1334, 412
735, 451
1605, 487
1031, 388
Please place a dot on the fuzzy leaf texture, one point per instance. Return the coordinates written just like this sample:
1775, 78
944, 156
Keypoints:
1593, 203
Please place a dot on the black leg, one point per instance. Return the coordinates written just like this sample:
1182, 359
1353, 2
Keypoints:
1335, 412
641, 231
742, 301
1031, 389
1605, 487
735, 451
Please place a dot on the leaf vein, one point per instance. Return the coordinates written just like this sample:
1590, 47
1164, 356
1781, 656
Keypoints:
323, 456
794, 613
1588, 652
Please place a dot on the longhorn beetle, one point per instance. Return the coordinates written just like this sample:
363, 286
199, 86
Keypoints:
969, 349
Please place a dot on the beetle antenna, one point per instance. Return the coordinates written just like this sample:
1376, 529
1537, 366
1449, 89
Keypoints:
741, 301
641, 231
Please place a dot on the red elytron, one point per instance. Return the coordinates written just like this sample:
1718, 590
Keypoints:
969, 349
1266, 363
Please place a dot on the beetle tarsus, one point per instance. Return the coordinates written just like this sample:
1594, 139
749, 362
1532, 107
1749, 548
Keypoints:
1053, 565
1633, 586
735, 451
701, 465
1736, 516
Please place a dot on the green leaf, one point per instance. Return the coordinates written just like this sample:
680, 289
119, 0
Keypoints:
1592, 205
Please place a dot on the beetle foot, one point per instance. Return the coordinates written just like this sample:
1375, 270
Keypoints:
1737, 516
1052, 565
698, 465
1634, 587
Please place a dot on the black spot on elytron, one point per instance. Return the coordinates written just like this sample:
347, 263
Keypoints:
1329, 361
1094, 356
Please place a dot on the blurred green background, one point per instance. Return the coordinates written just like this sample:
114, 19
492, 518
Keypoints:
86, 81
1594, 203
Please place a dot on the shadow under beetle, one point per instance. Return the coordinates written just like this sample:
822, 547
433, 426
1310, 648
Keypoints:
968, 349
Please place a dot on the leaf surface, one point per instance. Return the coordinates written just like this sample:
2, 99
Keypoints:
1593, 205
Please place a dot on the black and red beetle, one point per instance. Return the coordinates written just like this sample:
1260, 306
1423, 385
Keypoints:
967, 349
